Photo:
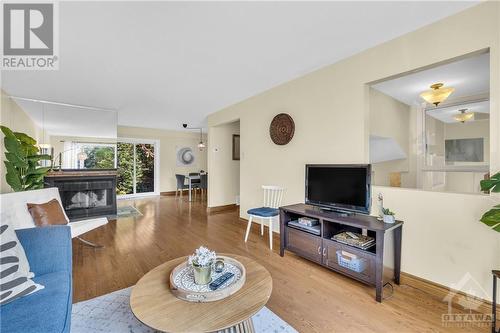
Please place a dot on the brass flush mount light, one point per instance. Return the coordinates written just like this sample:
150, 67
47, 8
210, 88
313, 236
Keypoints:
463, 116
437, 94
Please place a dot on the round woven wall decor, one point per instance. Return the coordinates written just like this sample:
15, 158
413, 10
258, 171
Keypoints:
282, 129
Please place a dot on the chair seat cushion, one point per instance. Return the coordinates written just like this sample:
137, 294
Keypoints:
47, 310
263, 211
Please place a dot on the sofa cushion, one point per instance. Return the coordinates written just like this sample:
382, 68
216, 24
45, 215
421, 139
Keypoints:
15, 275
47, 213
48, 310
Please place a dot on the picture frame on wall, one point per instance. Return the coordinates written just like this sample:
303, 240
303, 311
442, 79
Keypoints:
236, 147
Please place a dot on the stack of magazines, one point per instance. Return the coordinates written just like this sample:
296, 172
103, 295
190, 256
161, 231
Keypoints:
354, 239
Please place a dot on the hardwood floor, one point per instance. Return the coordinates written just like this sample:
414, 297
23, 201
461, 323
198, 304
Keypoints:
307, 296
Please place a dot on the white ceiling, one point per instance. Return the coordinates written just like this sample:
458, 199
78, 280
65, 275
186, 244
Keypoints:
469, 77
161, 64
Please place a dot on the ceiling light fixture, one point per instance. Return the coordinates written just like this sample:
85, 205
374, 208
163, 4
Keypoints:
201, 144
463, 116
437, 94
43, 144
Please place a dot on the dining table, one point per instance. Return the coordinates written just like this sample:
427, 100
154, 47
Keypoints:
190, 183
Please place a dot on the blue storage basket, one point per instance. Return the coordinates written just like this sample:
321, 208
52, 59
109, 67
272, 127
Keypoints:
358, 264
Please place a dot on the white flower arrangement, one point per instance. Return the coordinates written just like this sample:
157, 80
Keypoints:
202, 257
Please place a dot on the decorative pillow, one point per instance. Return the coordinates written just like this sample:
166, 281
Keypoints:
15, 275
49, 213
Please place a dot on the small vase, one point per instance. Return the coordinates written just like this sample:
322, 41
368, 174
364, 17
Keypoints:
202, 274
389, 219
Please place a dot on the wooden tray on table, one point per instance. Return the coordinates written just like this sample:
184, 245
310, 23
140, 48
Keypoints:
183, 287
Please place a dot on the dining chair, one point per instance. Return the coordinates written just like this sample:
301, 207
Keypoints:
204, 183
181, 184
195, 183
272, 200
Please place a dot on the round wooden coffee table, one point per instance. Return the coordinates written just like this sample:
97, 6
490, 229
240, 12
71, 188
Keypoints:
154, 305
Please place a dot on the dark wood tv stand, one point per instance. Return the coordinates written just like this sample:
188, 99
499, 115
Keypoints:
322, 250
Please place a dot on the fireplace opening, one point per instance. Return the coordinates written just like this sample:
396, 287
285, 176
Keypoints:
86, 199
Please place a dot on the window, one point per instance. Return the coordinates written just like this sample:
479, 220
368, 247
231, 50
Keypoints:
88, 155
137, 167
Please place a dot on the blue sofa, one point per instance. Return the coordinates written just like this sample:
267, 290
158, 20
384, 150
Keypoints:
48, 310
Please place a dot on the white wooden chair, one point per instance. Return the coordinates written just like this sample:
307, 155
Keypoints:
272, 200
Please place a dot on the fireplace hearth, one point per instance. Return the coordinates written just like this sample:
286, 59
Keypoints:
84, 194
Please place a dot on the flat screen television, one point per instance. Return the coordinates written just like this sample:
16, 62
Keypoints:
339, 187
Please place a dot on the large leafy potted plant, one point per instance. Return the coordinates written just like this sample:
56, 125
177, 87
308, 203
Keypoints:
22, 161
492, 217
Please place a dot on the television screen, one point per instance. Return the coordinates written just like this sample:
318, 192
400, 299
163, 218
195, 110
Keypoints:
342, 187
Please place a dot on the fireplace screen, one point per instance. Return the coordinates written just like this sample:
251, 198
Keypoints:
86, 199
84, 196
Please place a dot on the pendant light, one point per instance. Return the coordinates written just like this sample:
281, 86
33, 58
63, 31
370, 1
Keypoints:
463, 116
43, 144
437, 93
201, 145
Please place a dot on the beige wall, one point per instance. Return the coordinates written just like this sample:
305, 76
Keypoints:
12, 116
330, 109
169, 140
391, 119
227, 187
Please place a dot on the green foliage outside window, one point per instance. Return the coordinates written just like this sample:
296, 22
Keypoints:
144, 168
99, 157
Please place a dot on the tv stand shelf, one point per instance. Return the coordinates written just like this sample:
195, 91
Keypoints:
324, 251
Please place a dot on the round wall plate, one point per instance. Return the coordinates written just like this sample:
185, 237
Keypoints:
282, 129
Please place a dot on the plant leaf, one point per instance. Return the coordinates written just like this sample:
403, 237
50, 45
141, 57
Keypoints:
12, 145
12, 177
16, 161
491, 217
25, 138
496, 176
40, 157
7, 132
29, 150
491, 184
38, 171
496, 188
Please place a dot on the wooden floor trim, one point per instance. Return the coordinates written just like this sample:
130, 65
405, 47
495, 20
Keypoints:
225, 208
440, 292
168, 193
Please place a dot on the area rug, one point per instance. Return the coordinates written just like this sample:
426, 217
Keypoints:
127, 211
111, 313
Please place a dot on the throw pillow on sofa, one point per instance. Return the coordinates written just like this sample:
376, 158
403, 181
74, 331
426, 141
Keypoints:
48, 213
15, 275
